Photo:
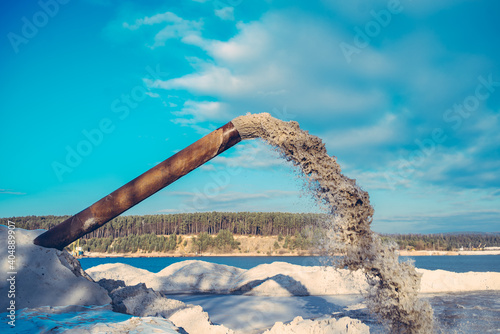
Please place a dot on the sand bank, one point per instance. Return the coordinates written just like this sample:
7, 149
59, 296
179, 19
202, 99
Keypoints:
279, 279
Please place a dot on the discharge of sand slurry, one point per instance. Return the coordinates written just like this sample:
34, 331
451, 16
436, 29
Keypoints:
394, 286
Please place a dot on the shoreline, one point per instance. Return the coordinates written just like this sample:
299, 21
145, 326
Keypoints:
447, 253
158, 254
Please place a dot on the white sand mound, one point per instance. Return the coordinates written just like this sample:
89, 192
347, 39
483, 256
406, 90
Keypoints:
434, 281
187, 276
196, 276
143, 302
299, 280
118, 271
281, 279
272, 287
44, 276
343, 325
194, 320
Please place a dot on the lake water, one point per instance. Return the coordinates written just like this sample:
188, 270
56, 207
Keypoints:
459, 264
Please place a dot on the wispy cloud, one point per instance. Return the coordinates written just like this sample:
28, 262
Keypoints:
226, 13
153, 95
237, 196
174, 27
11, 192
194, 112
231, 201
352, 106
252, 155
371, 113
465, 221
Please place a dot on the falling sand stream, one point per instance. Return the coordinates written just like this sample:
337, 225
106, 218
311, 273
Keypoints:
394, 286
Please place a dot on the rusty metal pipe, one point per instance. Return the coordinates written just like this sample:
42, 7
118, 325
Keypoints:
140, 188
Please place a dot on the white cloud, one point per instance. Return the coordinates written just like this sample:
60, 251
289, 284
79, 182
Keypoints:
474, 166
291, 58
208, 168
195, 112
253, 42
226, 13
266, 63
153, 95
383, 132
363, 110
212, 80
176, 27
253, 154
371, 180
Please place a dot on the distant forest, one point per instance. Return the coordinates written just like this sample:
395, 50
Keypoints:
242, 223
158, 232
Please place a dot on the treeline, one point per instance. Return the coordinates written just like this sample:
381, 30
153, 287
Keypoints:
223, 242
134, 243
444, 241
293, 230
242, 223
147, 243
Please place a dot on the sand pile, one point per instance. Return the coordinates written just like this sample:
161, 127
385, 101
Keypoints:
187, 276
143, 302
320, 326
276, 279
280, 279
45, 277
393, 286
120, 271
434, 281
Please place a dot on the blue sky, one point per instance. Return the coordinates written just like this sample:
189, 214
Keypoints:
406, 94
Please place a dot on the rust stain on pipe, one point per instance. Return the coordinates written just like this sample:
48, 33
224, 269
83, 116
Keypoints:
140, 188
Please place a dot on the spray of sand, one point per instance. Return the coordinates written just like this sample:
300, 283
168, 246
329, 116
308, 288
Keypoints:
394, 286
